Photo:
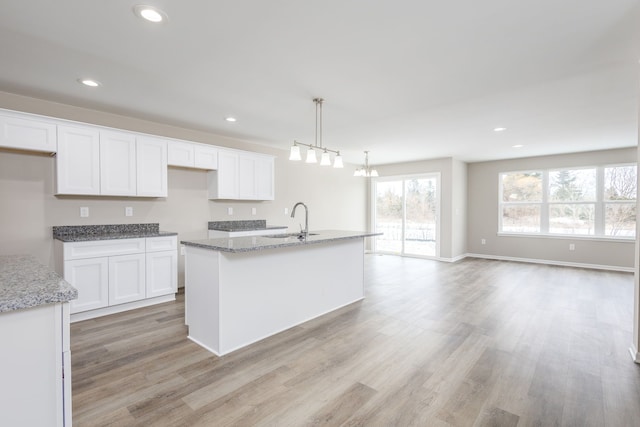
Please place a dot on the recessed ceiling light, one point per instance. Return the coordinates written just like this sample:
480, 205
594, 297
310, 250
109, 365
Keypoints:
150, 13
499, 129
230, 119
517, 146
89, 82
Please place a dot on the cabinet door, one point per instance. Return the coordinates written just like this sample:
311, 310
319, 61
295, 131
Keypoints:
205, 157
91, 278
117, 164
180, 154
78, 161
247, 185
265, 178
223, 183
126, 278
152, 167
162, 273
27, 134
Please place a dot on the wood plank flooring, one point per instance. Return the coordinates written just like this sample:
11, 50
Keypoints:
475, 343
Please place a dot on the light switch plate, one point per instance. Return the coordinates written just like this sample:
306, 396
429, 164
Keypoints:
84, 212
286, 211
229, 211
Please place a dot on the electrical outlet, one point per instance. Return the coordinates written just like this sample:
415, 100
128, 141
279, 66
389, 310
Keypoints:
253, 211
84, 212
128, 211
572, 247
483, 241
229, 211
182, 250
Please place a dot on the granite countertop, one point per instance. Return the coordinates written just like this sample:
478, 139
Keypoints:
85, 233
25, 283
243, 225
257, 243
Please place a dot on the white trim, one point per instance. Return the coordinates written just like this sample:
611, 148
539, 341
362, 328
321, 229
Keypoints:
551, 262
634, 353
201, 344
86, 315
454, 259
568, 237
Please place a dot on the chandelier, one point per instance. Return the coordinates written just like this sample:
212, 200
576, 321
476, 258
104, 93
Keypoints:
325, 160
366, 171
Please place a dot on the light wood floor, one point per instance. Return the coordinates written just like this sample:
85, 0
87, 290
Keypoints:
475, 343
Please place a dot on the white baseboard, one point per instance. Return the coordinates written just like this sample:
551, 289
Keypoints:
552, 262
634, 353
91, 314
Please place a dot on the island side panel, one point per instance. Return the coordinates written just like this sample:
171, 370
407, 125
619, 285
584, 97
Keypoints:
202, 297
265, 292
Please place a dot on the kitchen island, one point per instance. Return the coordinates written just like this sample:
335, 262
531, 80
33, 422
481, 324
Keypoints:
35, 361
241, 290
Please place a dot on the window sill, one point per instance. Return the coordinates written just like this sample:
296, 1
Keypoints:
570, 237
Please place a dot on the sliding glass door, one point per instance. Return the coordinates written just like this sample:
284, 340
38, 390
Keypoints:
407, 210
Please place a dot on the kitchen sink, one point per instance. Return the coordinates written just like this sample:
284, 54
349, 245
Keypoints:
285, 235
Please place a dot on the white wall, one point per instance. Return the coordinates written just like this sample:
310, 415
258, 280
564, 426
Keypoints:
483, 215
29, 208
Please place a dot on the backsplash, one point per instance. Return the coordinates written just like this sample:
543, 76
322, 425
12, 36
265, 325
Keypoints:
70, 230
252, 224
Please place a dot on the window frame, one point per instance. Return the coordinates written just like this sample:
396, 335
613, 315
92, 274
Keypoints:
545, 204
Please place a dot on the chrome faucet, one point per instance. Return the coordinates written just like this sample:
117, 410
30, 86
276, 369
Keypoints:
304, 232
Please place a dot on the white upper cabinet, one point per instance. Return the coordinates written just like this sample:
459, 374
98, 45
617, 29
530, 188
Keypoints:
93, 161
223, 183
242, 175
180, 154
265, 178
205, 157
151, 167
100, 161
27, 134
247, 185
78, 161
192, 155
117, 164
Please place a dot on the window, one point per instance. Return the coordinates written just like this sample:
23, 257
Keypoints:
593, 201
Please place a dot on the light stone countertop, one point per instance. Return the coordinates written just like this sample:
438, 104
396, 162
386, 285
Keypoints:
258, 243
25, 283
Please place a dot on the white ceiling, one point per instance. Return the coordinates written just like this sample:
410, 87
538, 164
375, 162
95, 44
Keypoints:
405, 79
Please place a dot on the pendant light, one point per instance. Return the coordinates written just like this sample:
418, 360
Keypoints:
366, 171
325, 159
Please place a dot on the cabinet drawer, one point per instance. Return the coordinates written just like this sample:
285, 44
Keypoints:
166, 243
99, 248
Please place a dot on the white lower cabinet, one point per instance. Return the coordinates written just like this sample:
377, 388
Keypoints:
91, 278
126, 278
118, 275
162, 277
